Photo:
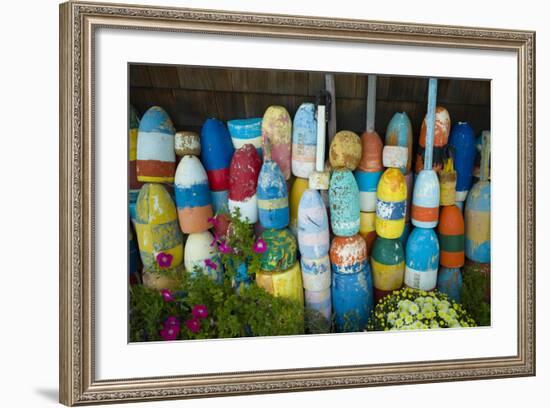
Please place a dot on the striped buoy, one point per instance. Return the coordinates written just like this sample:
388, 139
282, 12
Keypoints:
449, 281
345, 150
304, 140
391, 204
287, 283
276, 137
243, 182
478, 211
299, 185
272, 196
451, 237
281, 251
399, 133
193, 196
316, 273
441, 138
202, 257
313, 231
216, 152
186, 142
246, 131
344, 203
447, 184
425, 200
157, 228
156, 157
369, 171
462, 140
388, 266
348, 254
367, 228
422, 259
133, 126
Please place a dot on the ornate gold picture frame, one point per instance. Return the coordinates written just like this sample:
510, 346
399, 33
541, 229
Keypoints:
78, 25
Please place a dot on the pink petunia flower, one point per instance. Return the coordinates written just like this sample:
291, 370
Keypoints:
215, 240
200, 311
209, 264
224, 248
214, 221
170, 332
193, 324
260, 246
172, 321
164, 260
167, 295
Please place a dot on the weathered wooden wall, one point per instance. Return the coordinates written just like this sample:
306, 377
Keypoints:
192, 94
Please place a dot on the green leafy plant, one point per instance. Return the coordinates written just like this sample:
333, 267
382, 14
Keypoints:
473, 296
413, 309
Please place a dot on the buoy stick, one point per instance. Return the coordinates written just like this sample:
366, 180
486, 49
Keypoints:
485, 155
430, 122
371, 102
321, 138
331, 89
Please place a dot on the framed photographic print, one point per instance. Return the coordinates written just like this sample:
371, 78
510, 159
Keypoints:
259, 203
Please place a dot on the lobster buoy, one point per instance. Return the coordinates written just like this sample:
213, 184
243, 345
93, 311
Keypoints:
133, 126
316, 273
367, 228
203, 257
304, 140
449, 281
388, 266
313, 231
299, 185
246, 131
157, 228
156, 157
345, 150
451, 237
193, 196
281, 250
369, 171
276, 137
425, 200
422, 259
344, 203
478, 211
391, 204
441, 138
272, 196
348, 254
462, 140
447, 184
399, 133
187, 143
216, 153
287, 283
243, 182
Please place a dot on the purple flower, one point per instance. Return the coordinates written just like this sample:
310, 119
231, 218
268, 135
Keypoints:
215, 240
167, 295
172, 321
214, 221
164, 260
193, 324
200, 311
260, 246
224, 248
209, 264
170, 332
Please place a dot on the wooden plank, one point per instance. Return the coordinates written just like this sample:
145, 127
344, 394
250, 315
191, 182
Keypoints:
139, 76
164, 76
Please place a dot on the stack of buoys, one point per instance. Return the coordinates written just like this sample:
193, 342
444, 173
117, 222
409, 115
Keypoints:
399, 133
441, 138
304, 146
243, 182
279, 272
216, 153
246, 131
277, 138
463, 144
478, 220
314, 244
352, 293
368, 175
387, 258
422, 250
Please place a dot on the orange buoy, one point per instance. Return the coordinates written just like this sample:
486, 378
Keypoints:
451, 237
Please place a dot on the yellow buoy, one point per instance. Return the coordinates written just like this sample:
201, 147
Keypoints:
286, 284
391, 204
